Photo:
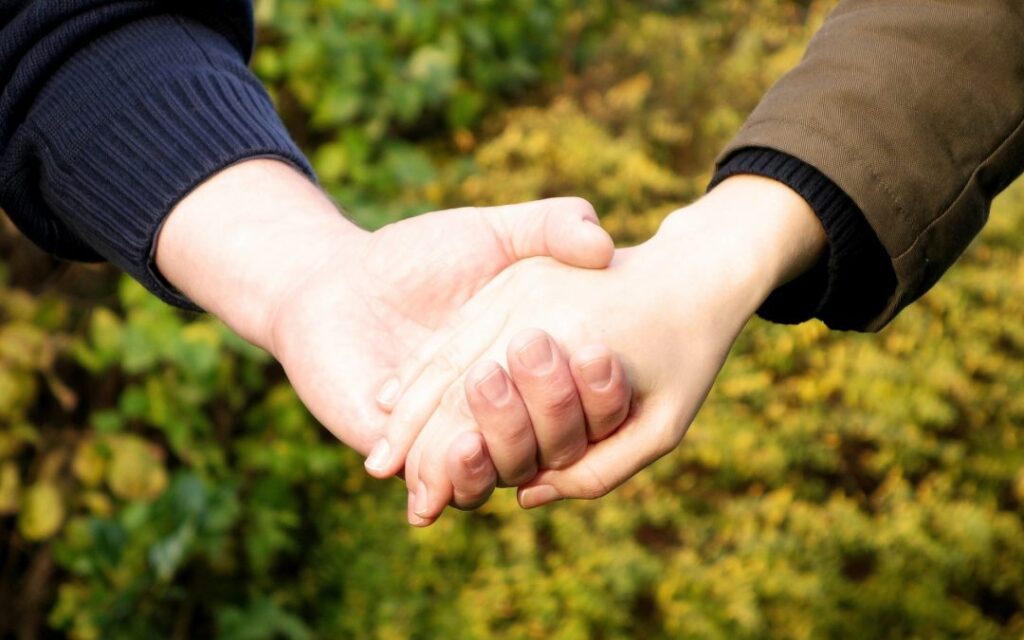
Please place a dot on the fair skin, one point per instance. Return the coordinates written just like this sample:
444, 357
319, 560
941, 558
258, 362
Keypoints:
445, 293
671, 307
340, 308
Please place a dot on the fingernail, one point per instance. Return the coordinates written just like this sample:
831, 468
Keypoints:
476, 462
597, 373
537, 355
417, 521
388, 394
422, 501
494, 387
377, 461
536, 496
411, 516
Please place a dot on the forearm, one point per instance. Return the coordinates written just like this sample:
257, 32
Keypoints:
853, 279
759, 233
914, 110
114, 111
241, 241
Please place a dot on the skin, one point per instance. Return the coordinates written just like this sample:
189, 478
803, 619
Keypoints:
671, 307
340, 308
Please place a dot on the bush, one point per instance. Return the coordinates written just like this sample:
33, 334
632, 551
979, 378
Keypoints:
158, 477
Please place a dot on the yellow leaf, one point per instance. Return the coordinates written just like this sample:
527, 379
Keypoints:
25, 345
88, 465
135, 473
42, 512
97, 503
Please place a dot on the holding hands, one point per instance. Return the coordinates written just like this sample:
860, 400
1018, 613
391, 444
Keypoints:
477, 347
263, 249
671, 307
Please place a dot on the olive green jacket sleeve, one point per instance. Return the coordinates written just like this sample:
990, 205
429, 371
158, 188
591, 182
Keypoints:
915, 109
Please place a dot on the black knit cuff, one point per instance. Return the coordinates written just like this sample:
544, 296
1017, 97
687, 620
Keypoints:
852, 281
159, 106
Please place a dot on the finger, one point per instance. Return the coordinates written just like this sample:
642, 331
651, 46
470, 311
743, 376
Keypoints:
418, 491
412, 482
472, 474
604, 390
504, 422
450, 434
566, 229
607, 464
542, 376
427, 469
410, 512
429, 501
444, 363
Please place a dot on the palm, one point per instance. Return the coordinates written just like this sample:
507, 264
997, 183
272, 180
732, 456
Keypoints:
343, 336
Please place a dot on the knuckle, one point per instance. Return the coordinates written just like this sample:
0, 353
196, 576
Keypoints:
605, 411
511, 435
561, 402
567, 455
579, 204
594, 486
592, 492
468, 500
454, 400
600, 428
443, 365
521, 475
446, 360
667, 434
601, 423
518, 456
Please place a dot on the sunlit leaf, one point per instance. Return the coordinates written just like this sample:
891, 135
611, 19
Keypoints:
41, 513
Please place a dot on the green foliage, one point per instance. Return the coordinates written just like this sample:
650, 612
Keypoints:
158, 477
637, 130
371, 86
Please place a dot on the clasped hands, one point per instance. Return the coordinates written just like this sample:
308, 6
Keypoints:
506, 346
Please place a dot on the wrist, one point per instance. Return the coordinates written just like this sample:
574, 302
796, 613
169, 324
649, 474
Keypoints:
760, 232
243, 240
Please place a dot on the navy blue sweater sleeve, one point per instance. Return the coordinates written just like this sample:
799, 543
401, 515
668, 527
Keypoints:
854, 278
113, 111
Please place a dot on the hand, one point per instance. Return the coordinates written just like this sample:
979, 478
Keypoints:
671, 307
544, 413
263, 249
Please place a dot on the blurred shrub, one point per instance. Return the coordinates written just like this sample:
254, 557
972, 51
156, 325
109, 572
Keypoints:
636, 131
159, 479
372, 86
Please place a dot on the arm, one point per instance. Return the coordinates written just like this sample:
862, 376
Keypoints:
915, 111
112, 112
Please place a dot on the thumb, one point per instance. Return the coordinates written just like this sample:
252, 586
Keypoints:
566, 229
605, 466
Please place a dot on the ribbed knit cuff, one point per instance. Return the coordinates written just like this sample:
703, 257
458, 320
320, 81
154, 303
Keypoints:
138, 119
852, 281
